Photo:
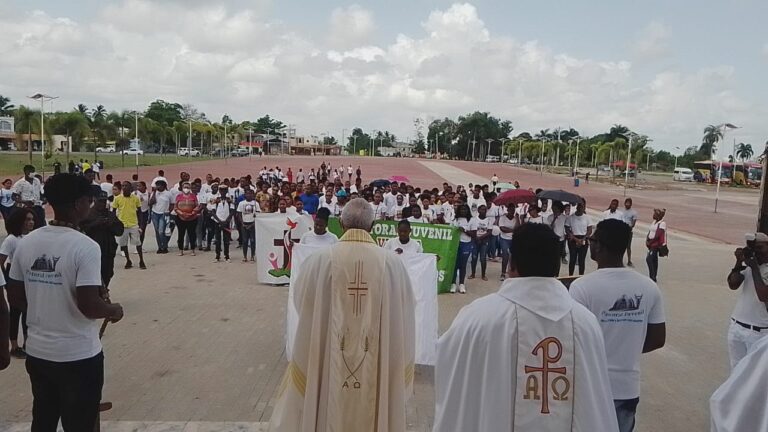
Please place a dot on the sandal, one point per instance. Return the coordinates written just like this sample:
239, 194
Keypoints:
142, 266
485, 278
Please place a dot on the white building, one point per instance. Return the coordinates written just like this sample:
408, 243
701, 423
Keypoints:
402, 149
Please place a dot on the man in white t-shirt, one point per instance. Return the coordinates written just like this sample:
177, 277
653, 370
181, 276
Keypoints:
613, 211
630, 311
160, 176
475, 201
320, 236
630, 218
246, 214
556, 221
107, 185
749, 319
403, 243
56, 277
578, 229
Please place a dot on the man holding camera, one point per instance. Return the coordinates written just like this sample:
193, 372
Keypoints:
749, 320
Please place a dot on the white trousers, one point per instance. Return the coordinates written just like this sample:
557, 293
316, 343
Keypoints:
740, 341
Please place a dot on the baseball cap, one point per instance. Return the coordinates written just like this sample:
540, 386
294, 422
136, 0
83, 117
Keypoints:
758, 237
341, 193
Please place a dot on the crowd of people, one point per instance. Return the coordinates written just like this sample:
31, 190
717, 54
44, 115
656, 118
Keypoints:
94, 220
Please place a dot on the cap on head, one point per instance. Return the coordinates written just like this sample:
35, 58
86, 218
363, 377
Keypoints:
761, 237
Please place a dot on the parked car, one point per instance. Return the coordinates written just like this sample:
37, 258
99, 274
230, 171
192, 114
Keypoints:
239, 152
682, 174
491, 158
105, 149
132, 151
513, 161
188, 152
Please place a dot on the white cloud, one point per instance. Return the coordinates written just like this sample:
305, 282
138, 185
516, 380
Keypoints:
652, 42
350, 27
765, 50
241, 62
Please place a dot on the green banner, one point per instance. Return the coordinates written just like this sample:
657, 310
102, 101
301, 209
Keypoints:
441, 240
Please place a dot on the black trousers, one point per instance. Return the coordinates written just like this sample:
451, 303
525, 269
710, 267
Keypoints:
226, 236
188, 228
70, 391
18, 315
577, 253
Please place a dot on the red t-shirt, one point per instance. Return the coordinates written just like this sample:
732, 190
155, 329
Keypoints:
186, 207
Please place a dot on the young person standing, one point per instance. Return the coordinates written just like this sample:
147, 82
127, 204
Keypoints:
19, 224
467, 226
630, 218
507, 224
630, 311
403, 244
222, 216
161, 202
127, 205
246, 213
187, 212
578, 228
56, 276
480, 251
655, 241
320, 234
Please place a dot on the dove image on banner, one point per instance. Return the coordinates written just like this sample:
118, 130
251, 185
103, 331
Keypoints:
274, 245
422, 270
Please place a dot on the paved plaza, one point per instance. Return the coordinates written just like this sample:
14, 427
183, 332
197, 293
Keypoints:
201, 347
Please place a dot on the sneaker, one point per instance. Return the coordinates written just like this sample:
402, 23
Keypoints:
564, 261
228, 261
630, 264
462, 289
453, 288
502, 278
217, 260
142, 266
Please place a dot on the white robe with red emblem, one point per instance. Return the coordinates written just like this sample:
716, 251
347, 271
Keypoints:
527, 358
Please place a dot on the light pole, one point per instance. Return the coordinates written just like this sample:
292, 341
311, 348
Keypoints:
136, 138
541, 159
489, 140
576, 157
678, 149
626, 168
42, 98
520, 153
354, 145
503, 141
724, 127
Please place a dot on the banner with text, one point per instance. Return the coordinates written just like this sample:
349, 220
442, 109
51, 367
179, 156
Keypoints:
441, 240
275, 235
423, 274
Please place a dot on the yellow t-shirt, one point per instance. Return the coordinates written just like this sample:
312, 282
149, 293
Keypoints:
86, 166
126, 209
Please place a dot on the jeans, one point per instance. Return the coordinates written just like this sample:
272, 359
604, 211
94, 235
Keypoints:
462, 257
159, 222
222, 234
249, 239
493, 247
187, 229
625, 413
578, 253
69, 390
480, 253
143, 220
506, 248
200, 231
653, 263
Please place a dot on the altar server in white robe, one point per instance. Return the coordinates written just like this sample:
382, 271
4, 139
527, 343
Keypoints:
740, 404
353, 357
527, 358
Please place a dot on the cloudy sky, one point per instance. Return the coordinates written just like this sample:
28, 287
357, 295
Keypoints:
663, 68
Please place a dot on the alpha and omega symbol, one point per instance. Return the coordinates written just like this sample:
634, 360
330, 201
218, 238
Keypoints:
560, 385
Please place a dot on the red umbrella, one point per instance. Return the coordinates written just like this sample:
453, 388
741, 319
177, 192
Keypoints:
399, 179
515, 196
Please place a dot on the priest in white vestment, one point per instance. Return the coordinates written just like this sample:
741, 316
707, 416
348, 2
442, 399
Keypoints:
741, 403
527, 358
353, 357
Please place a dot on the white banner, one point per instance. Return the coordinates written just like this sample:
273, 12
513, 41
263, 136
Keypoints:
421, 268
275, 233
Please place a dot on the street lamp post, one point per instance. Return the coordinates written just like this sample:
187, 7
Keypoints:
42, 98
520, 153
678, 149
354, 145
489, 140
576, 157
541, 159
626, 168
136, 138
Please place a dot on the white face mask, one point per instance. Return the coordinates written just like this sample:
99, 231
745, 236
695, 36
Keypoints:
187, 190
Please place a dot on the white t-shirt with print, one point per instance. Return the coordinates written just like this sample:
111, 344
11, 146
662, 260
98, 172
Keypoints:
411, 247
144, 199
475, 203
467, 225
52, 262
379, 210
559, 224
396, 212
630, 216
624, 302
483, 225
248, 210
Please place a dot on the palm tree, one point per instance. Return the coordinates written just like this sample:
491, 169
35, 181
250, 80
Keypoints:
26, 120
712, 135
618, 131
82, 109
74, 125
744, 151
6, 109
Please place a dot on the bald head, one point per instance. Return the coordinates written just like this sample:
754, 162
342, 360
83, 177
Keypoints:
357, 214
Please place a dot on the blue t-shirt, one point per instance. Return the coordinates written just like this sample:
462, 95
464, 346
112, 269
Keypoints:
6, 197
311, 202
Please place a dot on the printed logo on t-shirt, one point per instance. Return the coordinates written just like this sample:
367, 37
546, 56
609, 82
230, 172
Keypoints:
45, 264
43, 271
625, 309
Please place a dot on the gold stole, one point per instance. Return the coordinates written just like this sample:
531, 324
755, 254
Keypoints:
545, 372
353, 387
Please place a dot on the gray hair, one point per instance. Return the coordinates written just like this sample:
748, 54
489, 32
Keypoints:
357, 214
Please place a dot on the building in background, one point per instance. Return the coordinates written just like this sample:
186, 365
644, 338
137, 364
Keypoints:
311, 146
400, 149
7, 134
